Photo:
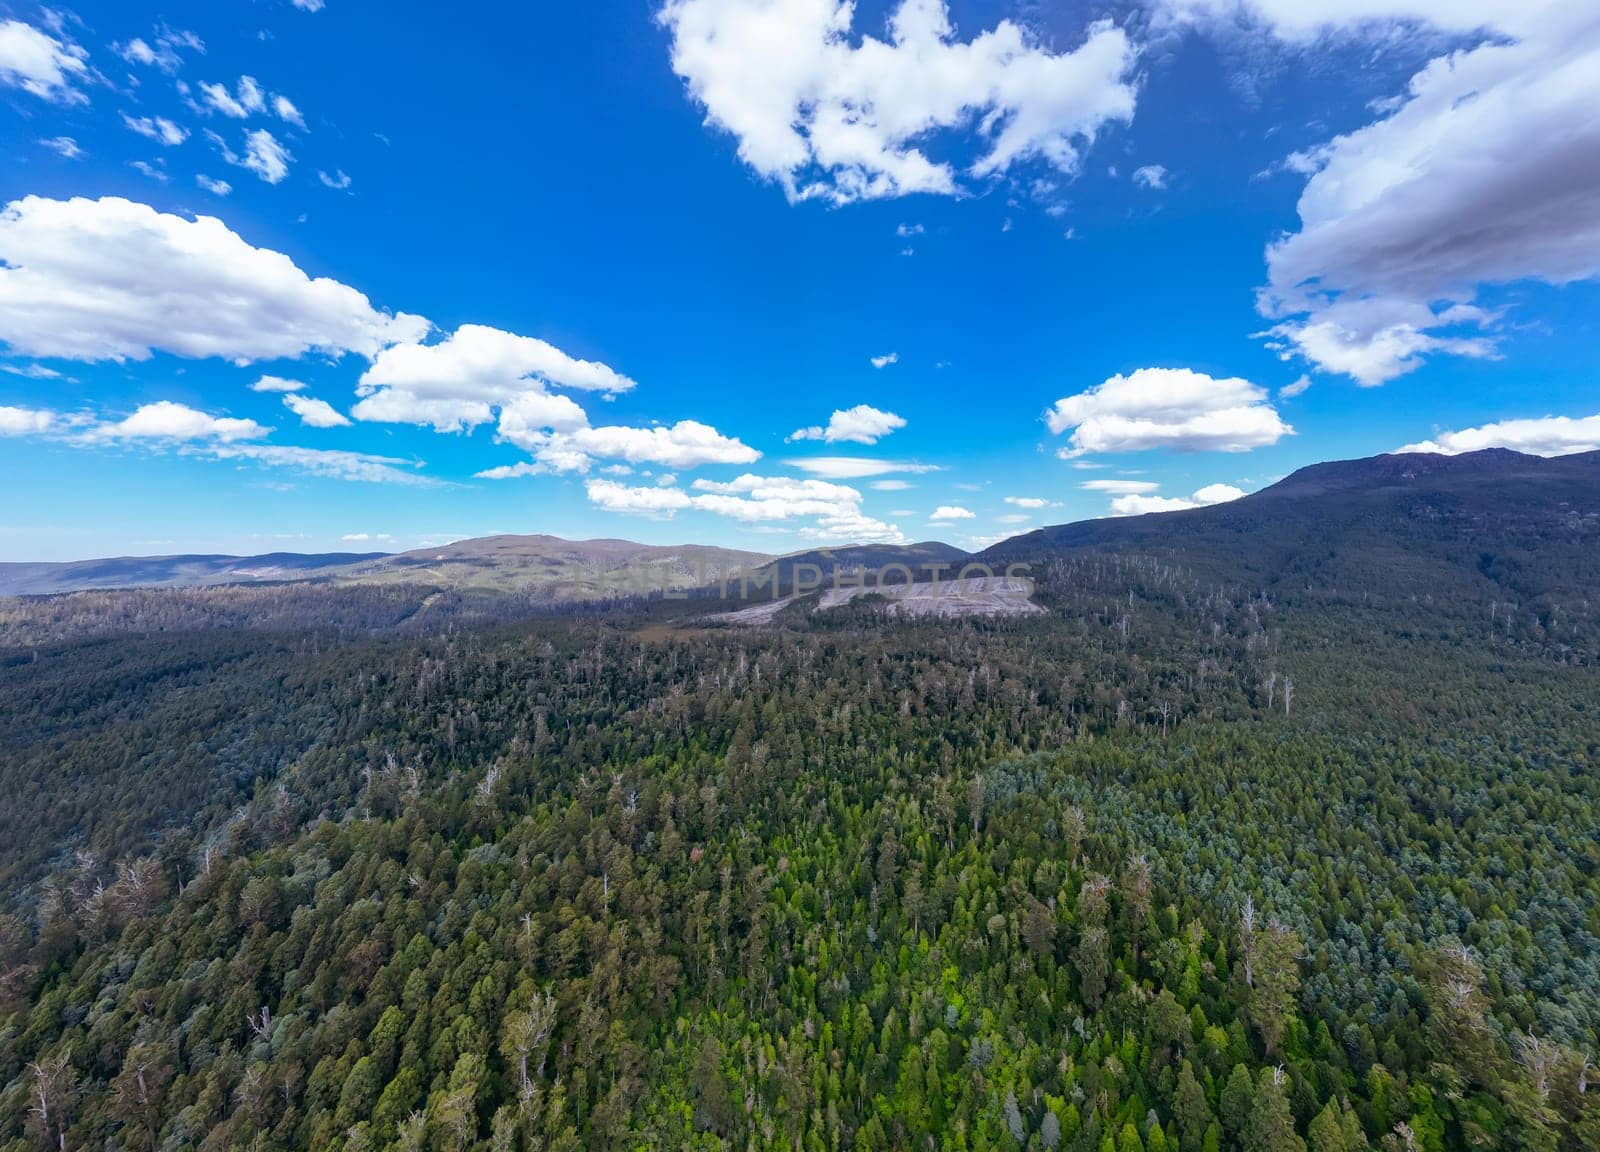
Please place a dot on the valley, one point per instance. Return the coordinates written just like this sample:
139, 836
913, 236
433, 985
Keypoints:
1266, 821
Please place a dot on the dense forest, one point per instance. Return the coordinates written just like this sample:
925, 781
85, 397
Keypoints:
1184, 863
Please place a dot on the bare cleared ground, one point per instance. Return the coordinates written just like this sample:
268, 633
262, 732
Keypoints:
976, 596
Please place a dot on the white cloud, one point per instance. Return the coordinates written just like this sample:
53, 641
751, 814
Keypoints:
263, 155
481, 363
1307, 20
113, 280
166, 420
1151, 176
858, 467
215, 187
64, 146
284, 108
832, 117
166, 54
169, 425
1032, 502
1176, 409
512, 471
1136, 504
25, 421
153, 171
832, 511
157, 128
886, 360
1121, 487
309, 5
686, 444
315, 413
135, 51
249, 100
339, 181
1547, 436
1483, 176
890, 486
1299, 388
328, 463
947, 512
482, 375
859, 425
906, 231
31, 371
460, 383
611, 496
40, 64
276, 384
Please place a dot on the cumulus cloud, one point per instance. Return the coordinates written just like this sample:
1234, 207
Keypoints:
215, 187
166, 420
833, 116
473, 370
64, 146
339, 181
315, 413
1137, 504
111, 279
1030, 502
886, 360
1547, 436
858, 467
249, 99
157, 128
947, 512
859, 425
263, 155
1176, 409
285, 110
482, 375
686, 444
1151, 176
25, 421
1482, 175
830, 511
167, 52
276, 384
41, 64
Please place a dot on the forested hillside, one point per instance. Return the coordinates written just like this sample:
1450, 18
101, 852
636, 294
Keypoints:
1186, 863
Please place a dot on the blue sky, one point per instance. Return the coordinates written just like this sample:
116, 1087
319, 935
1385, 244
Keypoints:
1015, 265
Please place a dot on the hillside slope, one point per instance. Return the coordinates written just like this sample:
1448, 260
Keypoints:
1405, 525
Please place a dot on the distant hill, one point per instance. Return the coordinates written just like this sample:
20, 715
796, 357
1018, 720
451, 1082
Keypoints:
1409, 524
566, 569
547, 565
170, 572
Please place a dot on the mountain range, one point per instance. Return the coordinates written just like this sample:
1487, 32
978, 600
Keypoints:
1526, 522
